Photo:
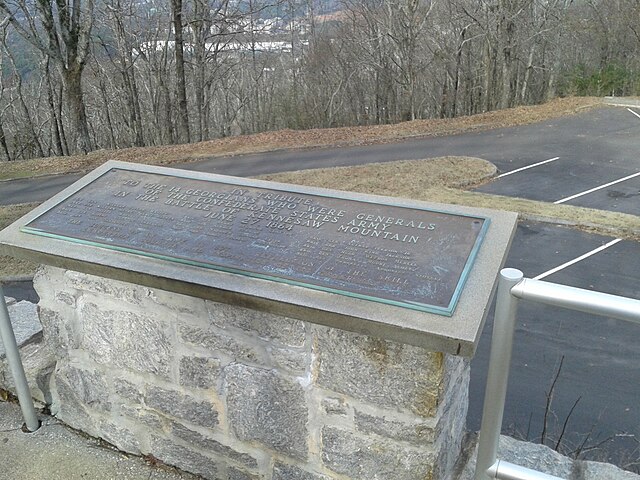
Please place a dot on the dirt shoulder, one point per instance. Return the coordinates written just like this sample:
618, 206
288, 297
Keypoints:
294, 139
10, 266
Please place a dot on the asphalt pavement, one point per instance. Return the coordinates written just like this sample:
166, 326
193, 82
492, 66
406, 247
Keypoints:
593, 152
596, 160
600, 356
590, 160
34, 189
606, 136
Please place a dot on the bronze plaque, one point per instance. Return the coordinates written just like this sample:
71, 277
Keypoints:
413, 258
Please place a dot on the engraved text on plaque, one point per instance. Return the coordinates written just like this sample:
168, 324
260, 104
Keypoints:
413, 258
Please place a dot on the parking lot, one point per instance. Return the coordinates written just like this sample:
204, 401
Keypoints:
600, 356
598, 386
603, 173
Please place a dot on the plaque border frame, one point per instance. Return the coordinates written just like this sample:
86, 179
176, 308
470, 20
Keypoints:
447, 311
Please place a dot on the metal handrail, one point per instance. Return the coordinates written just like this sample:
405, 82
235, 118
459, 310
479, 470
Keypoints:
512, 287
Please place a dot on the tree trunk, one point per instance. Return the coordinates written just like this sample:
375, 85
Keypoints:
550, 90
181, 85
107, 115
527, 75
30, 130
138, 113
507, 28
61, 127
75, 105
507, 73
128, 75
3, 144
135, 116
33, 137
167, 114
487, 103
199, 28
444, 100
456, 78
55, 130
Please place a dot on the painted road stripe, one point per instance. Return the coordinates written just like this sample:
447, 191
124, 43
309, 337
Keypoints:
596, 188
636, 114
578, 259
528, 166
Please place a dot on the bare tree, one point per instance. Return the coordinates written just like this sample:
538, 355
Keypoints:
18, 101
191, 70
62, 32
119, 15
59, 146
3, 138
153, 62
181, 83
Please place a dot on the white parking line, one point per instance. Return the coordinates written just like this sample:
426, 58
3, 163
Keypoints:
566, 199
528, 167
578, 259
636, 114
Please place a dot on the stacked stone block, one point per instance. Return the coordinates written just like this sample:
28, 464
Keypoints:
231, 393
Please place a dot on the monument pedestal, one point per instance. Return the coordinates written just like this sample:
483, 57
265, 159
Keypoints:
242, 329
228, 392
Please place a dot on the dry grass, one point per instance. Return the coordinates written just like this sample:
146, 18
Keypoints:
405, 178
289, 139
440, 180
9, 266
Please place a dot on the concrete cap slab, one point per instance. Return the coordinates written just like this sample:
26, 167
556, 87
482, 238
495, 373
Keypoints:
458, 334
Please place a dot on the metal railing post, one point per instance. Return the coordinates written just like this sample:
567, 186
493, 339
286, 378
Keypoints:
17, 370
511, 288
499, 362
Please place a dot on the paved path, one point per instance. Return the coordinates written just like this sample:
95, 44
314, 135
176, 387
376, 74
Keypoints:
55, 452
34, 189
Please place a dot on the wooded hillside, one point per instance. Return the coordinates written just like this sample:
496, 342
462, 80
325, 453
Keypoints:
81, 75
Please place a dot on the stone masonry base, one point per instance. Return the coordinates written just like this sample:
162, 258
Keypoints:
231, 393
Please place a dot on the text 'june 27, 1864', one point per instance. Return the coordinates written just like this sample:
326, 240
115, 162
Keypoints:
410, 257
